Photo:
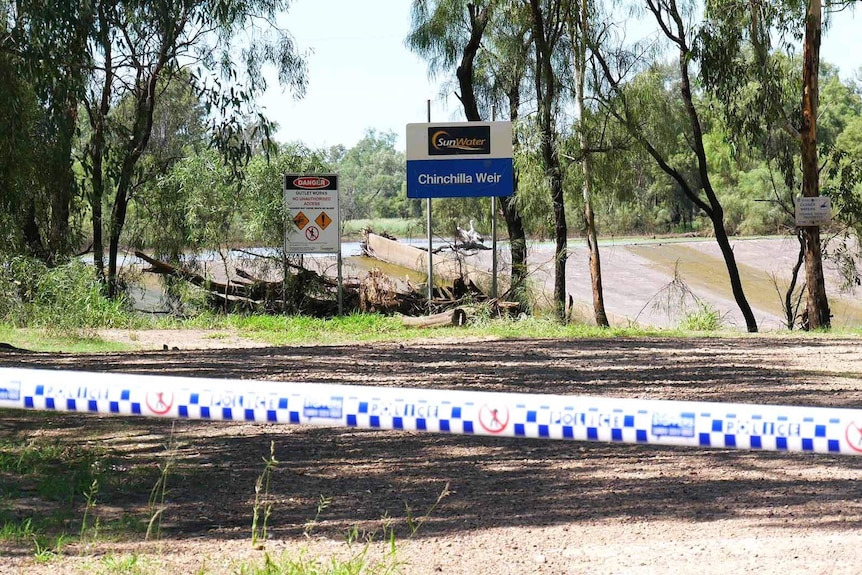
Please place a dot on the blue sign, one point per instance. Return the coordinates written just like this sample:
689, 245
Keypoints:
460, 178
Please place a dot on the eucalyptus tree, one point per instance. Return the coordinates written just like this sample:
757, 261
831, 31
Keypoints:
740, 47
581, 14
44, 60
549, 42
484, 42
679, 114
137, 46
372, 178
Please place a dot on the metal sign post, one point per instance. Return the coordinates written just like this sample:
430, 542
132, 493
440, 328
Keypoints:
430, 245
494, 230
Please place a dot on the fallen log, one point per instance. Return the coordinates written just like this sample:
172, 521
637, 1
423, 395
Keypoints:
452, 317
261, 295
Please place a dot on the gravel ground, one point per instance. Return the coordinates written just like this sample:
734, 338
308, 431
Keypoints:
509, 506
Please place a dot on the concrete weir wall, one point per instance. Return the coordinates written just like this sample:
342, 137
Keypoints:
447, 266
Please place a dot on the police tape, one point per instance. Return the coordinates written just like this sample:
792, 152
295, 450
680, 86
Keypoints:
579, 418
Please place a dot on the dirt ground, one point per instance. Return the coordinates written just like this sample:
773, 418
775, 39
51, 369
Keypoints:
513, 506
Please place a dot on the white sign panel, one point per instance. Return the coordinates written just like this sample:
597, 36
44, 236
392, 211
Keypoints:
813, 211
313, 219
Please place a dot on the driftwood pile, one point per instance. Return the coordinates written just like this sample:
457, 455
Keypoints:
308, 292
305, 292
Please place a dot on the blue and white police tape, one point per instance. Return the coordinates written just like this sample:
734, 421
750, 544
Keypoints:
580, 418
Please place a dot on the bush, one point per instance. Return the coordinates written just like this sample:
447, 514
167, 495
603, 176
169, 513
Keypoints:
64, 297
704, 318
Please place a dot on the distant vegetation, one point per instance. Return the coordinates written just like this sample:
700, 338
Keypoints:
700, 133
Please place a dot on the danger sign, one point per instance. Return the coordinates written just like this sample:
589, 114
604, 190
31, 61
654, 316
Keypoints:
301, 220
323, 220
304, 196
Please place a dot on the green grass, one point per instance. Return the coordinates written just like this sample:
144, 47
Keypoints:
57, 471
71, 341
366, 328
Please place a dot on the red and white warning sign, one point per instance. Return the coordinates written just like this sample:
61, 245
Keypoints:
160, 402
853, 435
304, 196
494, 418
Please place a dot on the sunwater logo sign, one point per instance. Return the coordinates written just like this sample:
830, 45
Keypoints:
467, 159
459, 140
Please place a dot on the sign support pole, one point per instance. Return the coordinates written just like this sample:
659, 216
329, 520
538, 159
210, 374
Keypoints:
430, 257
340, 284
493, 230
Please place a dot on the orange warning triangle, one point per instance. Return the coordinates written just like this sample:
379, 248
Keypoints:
323, 220
300, 220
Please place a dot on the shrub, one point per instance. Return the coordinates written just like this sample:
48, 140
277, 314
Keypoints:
64, 297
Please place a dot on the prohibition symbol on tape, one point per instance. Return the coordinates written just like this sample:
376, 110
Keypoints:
493, 419
853, 435
160, 402
323, 220
312, 233
301, 220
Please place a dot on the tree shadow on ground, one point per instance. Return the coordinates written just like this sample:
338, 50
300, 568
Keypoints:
367, 476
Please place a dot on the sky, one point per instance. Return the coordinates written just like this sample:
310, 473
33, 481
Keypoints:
361, 75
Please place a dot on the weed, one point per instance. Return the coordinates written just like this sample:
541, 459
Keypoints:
58, 299
156, 503
262, 501
415, 524
17, 531
90, 497
704, 318
323, 503
123, 564
44, 553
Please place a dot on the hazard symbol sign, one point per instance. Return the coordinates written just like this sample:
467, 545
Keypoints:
311, 203
323, 220
300, 220
853, 435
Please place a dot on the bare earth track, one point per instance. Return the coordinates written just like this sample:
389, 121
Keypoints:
515, 506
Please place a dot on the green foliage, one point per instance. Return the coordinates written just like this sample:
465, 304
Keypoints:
262, 195
62, 298
373, 179
63, 474
703, 318
193, 207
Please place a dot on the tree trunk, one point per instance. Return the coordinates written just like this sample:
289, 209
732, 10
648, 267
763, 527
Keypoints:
142, 128
593, 244
668, 17
545, 83
514, 223
716, 212
464, 73
789, 308
817, 304
62, 182
580, 43
733, 270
